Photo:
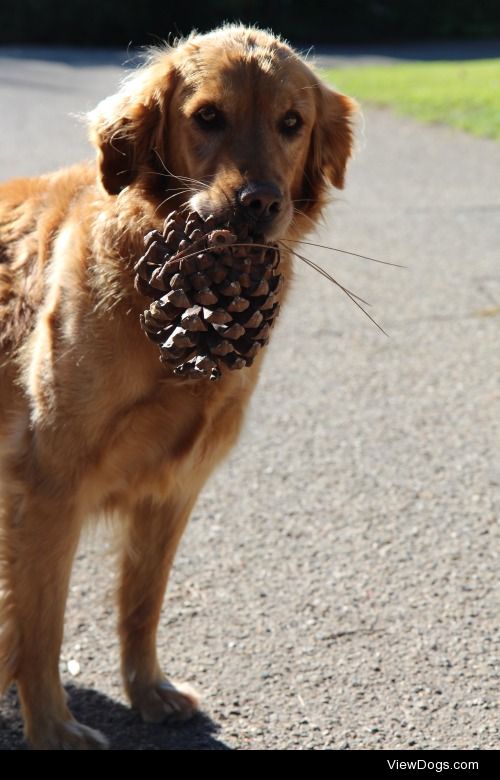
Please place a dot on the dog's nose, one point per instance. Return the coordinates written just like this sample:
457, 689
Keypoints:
261, 200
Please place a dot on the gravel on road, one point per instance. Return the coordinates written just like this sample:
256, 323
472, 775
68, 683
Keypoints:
337, 586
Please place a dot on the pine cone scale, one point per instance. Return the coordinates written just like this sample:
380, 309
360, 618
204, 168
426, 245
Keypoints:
214, 294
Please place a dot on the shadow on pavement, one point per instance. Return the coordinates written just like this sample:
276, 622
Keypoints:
414, 50
72, 55
424, 51
122, 726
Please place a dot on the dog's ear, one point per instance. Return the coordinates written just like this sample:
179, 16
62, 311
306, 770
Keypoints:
331, 140
126, 126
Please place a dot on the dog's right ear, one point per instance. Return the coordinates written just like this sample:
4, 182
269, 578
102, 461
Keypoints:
126, 126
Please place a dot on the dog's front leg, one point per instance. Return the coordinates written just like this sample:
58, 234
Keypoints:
153, 534
40, 535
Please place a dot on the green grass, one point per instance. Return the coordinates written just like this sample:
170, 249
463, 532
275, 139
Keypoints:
461, 94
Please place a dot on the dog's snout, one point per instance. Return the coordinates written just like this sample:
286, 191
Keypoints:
260, 200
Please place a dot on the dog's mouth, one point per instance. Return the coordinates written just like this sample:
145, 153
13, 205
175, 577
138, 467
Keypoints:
258, 229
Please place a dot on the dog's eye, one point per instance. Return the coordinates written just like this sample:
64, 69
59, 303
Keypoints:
210, 118
291, 123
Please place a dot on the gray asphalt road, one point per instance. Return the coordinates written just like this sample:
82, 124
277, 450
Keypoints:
338, 584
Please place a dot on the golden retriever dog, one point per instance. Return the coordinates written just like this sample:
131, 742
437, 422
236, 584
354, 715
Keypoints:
90, 420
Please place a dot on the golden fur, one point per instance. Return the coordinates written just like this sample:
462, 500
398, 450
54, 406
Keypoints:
90, 420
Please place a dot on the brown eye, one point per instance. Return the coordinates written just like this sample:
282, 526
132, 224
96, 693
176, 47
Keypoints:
291, 123
210, 118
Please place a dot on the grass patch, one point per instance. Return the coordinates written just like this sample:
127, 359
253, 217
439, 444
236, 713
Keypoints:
461, 94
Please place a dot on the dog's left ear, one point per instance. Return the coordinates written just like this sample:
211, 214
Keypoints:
332, 137
126, 126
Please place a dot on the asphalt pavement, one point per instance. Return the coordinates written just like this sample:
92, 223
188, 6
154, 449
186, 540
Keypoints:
338, 584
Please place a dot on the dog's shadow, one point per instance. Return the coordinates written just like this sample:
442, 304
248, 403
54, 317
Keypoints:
123, 727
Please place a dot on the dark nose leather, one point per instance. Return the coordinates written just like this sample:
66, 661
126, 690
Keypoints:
260, 200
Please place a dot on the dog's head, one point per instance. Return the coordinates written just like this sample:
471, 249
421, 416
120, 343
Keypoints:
232, 123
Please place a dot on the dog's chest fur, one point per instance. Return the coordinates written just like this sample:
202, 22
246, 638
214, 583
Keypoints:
109, 423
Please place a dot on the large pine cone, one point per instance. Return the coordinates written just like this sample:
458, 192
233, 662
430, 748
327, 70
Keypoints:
215, 294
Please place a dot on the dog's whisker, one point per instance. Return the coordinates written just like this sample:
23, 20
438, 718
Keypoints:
174, 195
302, 214
175, 189
343, 251
184, 205
182, 189
190, 180
159, 173
178, 176
201, 183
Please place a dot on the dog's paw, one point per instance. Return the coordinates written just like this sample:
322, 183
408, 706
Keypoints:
166, 700
69, 735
